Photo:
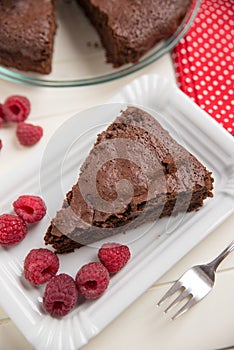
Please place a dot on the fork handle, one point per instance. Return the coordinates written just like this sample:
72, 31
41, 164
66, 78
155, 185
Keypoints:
215, 263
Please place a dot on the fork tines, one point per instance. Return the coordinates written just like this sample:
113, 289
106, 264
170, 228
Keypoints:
184, 294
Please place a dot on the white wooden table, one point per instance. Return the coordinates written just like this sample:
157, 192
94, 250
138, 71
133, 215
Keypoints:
209, 325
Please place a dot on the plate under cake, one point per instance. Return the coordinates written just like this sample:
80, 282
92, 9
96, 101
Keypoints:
135, 173
130, 28
27, 34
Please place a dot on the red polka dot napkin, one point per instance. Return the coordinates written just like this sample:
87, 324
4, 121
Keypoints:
203, 61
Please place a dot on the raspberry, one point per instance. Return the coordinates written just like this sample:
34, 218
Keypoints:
114, 256
2, 115
28, 134
12, 229
0, 144
30, 208
40, 265
16, 108
92, 280
1, 122
60, 295
1, 111
2, 119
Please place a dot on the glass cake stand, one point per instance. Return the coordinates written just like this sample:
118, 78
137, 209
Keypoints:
79, 58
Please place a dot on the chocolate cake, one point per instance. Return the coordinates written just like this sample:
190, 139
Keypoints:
27, 29
135, 173
129, 28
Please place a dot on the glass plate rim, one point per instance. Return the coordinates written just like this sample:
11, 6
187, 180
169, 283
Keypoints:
167, 46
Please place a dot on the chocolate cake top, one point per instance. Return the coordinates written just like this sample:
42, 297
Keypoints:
134, 173
138, 149
129, 165
26, 25
136, 20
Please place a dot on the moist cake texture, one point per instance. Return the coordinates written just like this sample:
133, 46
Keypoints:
135, 173
27, 29
129, 28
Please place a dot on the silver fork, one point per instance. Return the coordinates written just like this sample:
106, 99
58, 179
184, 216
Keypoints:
195, 283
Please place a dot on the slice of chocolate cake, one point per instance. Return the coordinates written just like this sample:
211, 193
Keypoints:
135, 173
27, 29
129, 28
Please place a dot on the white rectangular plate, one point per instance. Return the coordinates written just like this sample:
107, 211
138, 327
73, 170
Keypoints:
155, 247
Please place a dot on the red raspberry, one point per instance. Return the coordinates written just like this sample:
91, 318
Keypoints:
16, 108
1, 122
12, 229
2, 115
40, 265
114, 256
92, 280
60, 295
1, 111
30, 208
0, 144
28, 134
